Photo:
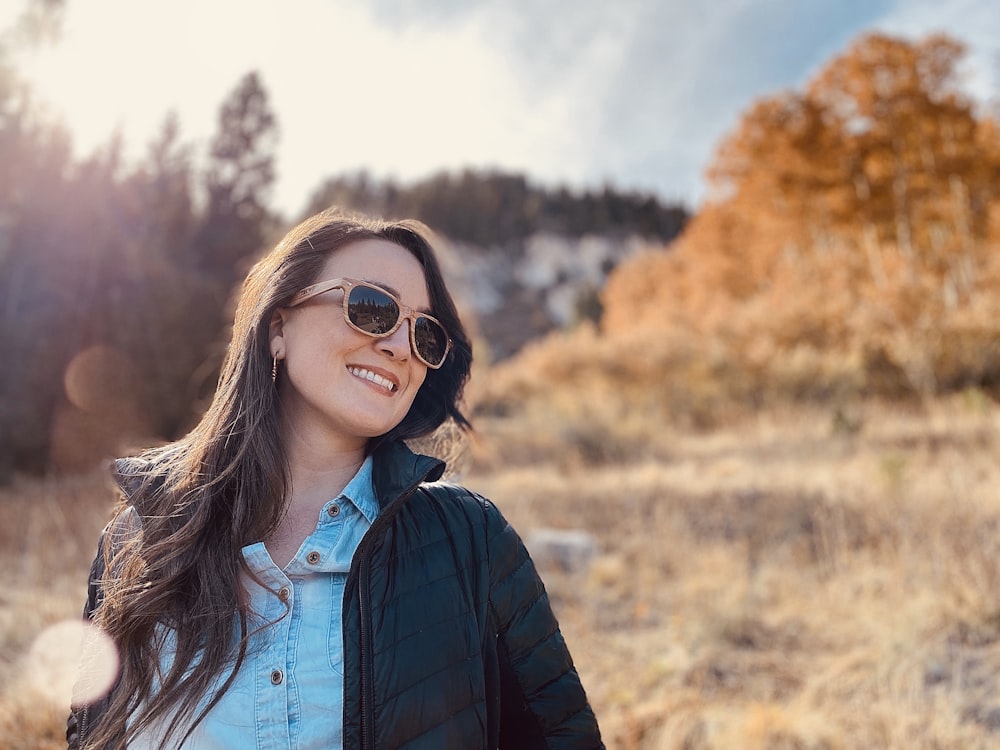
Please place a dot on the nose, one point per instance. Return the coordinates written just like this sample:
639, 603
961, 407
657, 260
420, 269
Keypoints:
397, 345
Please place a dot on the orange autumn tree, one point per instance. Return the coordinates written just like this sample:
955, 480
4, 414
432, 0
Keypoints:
856, 220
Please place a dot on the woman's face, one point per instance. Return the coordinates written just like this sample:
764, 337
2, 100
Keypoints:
325, 383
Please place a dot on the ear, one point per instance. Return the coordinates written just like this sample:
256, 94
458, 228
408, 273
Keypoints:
276, 333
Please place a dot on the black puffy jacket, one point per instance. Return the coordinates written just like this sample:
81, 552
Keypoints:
449, 638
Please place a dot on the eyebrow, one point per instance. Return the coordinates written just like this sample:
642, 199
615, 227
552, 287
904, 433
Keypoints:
381, 285
395, 293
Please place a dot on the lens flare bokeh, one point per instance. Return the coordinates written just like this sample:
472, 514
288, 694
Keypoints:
72, 662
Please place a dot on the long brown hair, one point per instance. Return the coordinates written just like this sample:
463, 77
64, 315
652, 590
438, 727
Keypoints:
203, 498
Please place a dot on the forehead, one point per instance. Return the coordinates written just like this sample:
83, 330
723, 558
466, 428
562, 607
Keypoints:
381, 262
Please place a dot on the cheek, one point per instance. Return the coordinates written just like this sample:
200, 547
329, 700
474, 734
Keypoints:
419, 377
325, 344
417, 380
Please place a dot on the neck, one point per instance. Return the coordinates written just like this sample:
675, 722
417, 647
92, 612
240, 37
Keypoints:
316, 475
318, 469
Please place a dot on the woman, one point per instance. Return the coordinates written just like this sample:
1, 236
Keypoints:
289, 574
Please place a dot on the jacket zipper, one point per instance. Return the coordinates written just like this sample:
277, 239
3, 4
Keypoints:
83, 726
367, 721
364, 609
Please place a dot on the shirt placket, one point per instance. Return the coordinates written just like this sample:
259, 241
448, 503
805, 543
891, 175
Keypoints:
306, 583
314, 558
271, 683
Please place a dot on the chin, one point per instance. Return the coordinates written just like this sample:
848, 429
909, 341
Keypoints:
369, 429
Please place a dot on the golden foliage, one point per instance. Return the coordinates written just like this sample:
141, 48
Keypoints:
859, 218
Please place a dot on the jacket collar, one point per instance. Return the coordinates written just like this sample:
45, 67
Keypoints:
138, 479
126, 473
397, 470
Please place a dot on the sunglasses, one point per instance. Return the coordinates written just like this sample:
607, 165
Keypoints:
372, 310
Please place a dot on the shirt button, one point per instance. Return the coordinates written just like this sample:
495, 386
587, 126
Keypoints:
277, 677
284, 593
333, 510
312, 558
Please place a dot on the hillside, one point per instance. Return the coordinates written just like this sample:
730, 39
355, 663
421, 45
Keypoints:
551, 283
787, 580
526, 259
777, 582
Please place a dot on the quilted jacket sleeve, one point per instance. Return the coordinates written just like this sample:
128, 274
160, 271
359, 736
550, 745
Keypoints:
543, 704
81, 717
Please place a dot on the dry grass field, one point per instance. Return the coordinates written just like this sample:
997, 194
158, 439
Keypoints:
802, 578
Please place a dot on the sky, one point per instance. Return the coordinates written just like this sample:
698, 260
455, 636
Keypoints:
632, 93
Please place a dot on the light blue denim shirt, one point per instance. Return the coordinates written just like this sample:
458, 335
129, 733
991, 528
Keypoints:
289, 693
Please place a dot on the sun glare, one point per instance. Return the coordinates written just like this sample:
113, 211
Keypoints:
401, 101
72, 661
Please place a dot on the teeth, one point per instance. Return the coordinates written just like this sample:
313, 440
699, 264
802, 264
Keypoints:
371, 377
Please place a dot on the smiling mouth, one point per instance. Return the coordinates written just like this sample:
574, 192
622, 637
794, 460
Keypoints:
371, 377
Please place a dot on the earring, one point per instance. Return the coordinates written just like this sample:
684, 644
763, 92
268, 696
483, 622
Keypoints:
274, 370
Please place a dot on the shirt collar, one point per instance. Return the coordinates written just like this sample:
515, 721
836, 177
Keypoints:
361, 492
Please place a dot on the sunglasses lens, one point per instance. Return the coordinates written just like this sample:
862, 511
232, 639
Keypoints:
430, 340
375, 312
372, 311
